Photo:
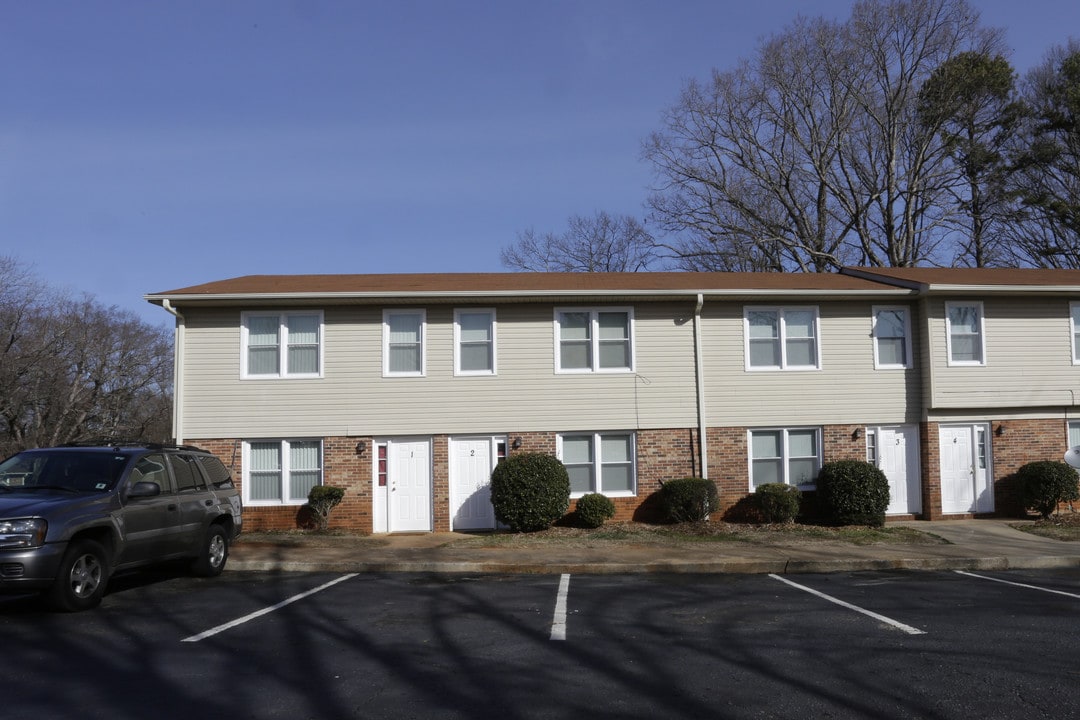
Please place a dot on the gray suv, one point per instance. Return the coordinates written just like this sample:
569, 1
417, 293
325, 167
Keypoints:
72, 516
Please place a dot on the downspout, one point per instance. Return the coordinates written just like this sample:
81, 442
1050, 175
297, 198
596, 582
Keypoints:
700, 379
178, 372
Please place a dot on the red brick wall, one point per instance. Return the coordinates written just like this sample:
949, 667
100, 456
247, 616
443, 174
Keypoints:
661, 455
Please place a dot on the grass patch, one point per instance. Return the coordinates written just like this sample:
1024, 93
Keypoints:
310, 538
706, 532
1062, 526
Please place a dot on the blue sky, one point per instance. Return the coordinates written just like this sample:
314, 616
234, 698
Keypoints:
146, 146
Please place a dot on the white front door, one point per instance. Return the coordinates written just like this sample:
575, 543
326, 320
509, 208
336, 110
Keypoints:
471, 463
409, 486
965, 475
898, 458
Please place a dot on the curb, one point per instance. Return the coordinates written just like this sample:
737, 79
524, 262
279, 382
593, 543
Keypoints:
743, 567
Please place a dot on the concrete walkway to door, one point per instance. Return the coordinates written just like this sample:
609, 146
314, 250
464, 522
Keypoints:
984, 544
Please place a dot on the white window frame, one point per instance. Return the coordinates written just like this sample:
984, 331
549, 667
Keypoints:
286, 471
785, 456
1074, 331
387, 372
908, 362
1072, 432
781, 311
949, 334
457, 341
594, 340
283, 345
598, 460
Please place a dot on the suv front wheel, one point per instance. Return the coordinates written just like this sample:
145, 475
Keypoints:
214, 553
81, 579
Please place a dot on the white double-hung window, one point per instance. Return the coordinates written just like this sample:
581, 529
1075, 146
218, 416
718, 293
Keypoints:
594, 340
785, 455
281, 472
782, 338
474, 342
892, 338
403, 342
281, 344
965, 333
599, 463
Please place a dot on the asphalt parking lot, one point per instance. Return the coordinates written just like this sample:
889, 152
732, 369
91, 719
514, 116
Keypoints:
323, 645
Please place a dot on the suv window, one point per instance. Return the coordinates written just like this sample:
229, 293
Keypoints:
186, 473
151, 468
219, 475
82, 471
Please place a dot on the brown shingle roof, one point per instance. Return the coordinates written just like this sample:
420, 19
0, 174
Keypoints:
928, 278
518, 283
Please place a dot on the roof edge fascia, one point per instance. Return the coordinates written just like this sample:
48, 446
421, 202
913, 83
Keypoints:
504, 294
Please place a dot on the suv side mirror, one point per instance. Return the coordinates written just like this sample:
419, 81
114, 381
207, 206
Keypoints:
144, 489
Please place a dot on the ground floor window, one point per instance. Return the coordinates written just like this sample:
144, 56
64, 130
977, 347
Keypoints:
785, 455
599, 462
1074, 433
281, 472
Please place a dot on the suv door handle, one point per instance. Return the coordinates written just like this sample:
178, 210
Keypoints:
172, 508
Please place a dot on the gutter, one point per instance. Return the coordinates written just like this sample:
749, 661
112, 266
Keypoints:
178, 371
699, 366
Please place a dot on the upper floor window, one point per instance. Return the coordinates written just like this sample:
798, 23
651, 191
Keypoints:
474, 342
892, 337
281, 472
782, 338
594, 340
281, 344
964, 329
1074, 324
403, 342
791, 456
599, 462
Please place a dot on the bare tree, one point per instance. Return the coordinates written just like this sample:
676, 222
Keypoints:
809, 155
71, 369
601, 243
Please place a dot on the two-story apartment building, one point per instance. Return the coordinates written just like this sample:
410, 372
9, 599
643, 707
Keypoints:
406, 390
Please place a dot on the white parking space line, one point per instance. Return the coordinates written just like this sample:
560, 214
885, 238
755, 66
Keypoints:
558, 623
1016, 584
888, 621
259, 613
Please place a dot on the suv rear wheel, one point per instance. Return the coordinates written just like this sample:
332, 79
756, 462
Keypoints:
81, 579
214, 553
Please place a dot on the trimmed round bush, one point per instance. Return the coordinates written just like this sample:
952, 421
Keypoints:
1045, 484
777, 502
688, 499
594, 509
853, 492
321, 500
530, 491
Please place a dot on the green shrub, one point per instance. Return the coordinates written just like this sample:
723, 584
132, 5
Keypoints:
321, 500
688, 499
594, 509
853, 492
1045, 484
777, 502
530, 491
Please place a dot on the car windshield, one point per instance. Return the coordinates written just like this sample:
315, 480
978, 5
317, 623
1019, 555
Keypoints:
72, 470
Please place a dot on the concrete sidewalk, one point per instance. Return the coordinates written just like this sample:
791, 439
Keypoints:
970, 545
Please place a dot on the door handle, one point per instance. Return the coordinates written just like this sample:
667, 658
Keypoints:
171, 508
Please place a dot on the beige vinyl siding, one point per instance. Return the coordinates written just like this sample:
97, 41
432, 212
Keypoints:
1028, 357
353, 397
847, 388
